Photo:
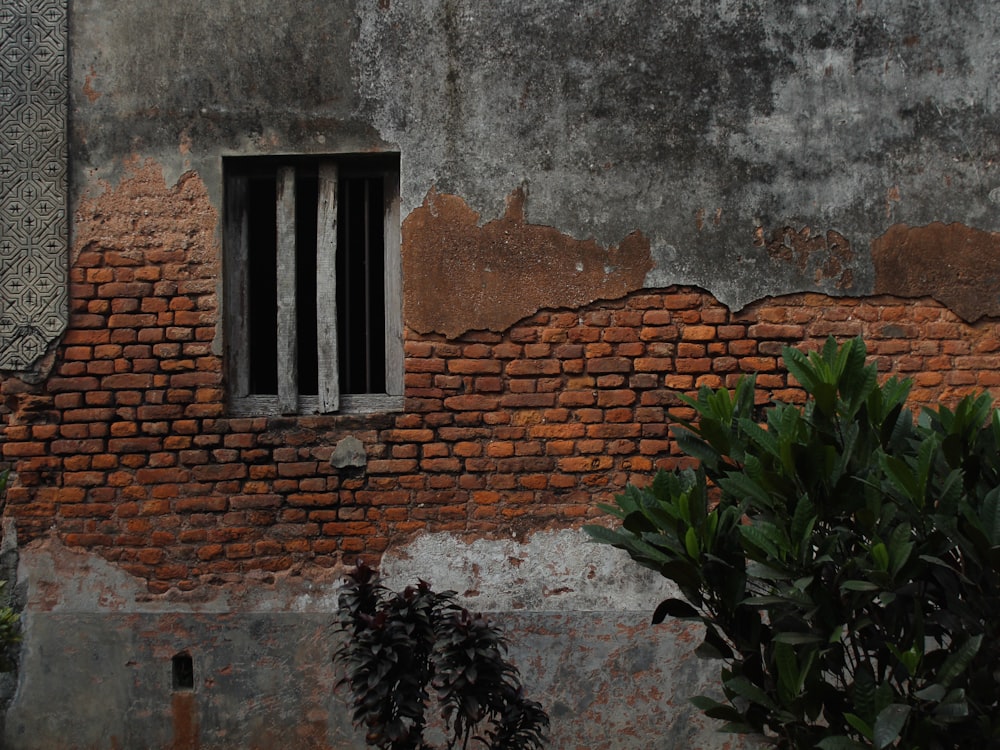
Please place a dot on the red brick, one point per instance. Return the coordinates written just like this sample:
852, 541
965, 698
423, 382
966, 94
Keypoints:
609, 365
776, 331
494, 424
698, 333
408, 436
696, 365
758, 364
472, 402
214, 504
440, 464
585, 464
520, 367
527, 400
653, 364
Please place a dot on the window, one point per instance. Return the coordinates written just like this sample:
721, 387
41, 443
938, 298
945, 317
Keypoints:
312, 284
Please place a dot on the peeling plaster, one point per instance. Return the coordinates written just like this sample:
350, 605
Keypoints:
64, 580
553, 571
823, 256
461, 276
957, 265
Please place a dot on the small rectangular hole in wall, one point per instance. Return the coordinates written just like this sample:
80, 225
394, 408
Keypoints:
183, 672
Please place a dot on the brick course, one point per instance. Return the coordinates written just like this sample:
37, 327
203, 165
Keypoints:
126, 447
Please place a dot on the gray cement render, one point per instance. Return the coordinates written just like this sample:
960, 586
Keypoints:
263, 680
555, 571
696, 123
96, 669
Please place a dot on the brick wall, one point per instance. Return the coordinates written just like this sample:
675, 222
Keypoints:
126, 449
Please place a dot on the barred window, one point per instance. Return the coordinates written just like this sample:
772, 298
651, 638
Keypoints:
312, 284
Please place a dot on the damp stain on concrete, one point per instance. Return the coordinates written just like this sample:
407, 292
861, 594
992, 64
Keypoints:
955, 264
461, 276
825, 256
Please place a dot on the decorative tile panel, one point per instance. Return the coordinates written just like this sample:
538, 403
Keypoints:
34, 229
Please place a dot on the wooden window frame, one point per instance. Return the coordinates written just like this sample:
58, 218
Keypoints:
236, 287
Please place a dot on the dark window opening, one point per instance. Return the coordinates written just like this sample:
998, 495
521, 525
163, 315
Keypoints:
360, 294
183, 672
306, 197
314, 357
261, 259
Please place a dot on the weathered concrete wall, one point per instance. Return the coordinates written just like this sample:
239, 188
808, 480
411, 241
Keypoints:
566, 168
97, 654
710, 127
698, 123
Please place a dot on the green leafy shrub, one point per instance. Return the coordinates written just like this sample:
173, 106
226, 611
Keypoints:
844, 559
399, 647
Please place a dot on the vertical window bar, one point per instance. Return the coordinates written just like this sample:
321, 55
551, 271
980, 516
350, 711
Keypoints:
237, 284
392, 286
326, 288
288, 389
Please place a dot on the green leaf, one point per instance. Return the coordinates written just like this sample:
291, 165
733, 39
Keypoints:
902, 478
637, 522
797, 639
763, 600
694, 446
889, 724
738, 727
743, 487
990, 516
715, 710
799, 366
900, 548
677, 608
957, 662
714, 646
933, 693
859, 586
604, 535
954, 706
840, 742
742, 687
766, 572
760, 437
863, 727
685, 575
909, 658
669, 544
765, 537
860, 387
803, 521
703, 702
880, 556
864, 693
788, 671
691, 543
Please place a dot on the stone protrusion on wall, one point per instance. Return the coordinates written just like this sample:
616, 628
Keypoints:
34, 95
349, 453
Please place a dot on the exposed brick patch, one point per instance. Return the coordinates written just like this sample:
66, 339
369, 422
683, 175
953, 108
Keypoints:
127, 450
461, 275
